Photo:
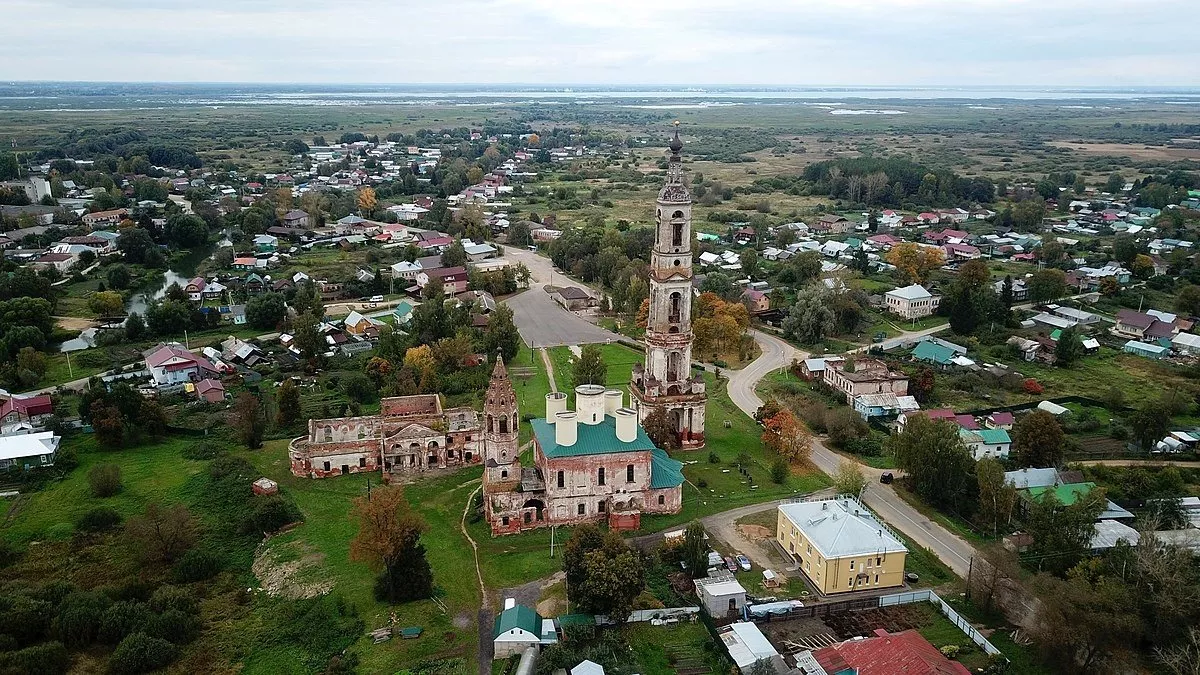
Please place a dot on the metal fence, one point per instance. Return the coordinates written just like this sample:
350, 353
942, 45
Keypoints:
955, 618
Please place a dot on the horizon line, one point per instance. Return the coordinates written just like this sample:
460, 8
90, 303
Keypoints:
556, 85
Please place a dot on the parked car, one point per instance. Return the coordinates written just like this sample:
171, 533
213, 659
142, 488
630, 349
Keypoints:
376, 298
714, 559
730, 564
886, 478
743, 562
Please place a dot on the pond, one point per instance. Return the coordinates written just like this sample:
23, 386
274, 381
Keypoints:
182, 270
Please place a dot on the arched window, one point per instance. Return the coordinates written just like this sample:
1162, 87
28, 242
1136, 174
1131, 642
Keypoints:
514, 424
504, 425
675, 312
490, 423
677, 214
328, 434
674, 362
677, 234
629, 473
600, 476
661, 500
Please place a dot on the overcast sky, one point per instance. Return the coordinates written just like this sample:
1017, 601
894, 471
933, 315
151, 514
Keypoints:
796, 42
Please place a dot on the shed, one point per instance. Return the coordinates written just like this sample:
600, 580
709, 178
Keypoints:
265, 486
1150, 351
721, 595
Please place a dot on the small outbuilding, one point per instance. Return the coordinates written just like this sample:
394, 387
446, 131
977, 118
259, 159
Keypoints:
265, 486
721, 595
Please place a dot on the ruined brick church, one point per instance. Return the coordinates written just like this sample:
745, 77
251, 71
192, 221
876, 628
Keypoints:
594, 463
410, 434
665, 381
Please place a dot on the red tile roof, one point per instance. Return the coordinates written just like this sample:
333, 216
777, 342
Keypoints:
28, 407
904, 653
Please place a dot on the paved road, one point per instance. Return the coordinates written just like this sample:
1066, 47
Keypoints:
949, 548
544, 323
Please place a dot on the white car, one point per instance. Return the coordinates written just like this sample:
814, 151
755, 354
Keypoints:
376, 298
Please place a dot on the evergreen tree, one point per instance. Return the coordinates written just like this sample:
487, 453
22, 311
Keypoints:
589, 368
288, 403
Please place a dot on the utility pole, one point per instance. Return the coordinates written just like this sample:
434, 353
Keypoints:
553, 530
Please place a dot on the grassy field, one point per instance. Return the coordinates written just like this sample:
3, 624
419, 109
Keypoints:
665, 650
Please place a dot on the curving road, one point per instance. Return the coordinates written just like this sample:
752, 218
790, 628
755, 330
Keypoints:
951, 549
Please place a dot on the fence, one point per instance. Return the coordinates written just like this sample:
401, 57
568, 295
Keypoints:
829, 608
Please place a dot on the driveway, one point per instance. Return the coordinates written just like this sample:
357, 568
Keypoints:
544, 323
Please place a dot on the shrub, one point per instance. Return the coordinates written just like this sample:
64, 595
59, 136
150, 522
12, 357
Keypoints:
205, 449
24, 619
48, 658
714, 458
105, 480
99, 519
272, 513
1032, 387
702, 483
174, 626
78, 619
197, 565
9, 553
173, 597
779, 470
122, 619
140, 653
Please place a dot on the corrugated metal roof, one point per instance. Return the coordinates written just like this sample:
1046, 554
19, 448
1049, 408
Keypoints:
591, 439
841, 527
664, 471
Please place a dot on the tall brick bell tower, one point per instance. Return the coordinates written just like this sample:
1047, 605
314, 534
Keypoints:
500, 423
665, 381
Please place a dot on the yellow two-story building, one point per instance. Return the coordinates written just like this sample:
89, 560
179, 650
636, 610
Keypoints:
840, 545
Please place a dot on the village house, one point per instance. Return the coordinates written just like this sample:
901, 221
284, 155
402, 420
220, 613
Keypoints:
756, 301
454, 279
210, 391
831, 224
59, 261
105, 218
32, 409
993, 443
572, 298
814, 368
195, 289
265, 243
297, 220
28, 451
864, 376
911, 302
840, 545
721, 595
518, 628
411, 434
172, 364
1148, 326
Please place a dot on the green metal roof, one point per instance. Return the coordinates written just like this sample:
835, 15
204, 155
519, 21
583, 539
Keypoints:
994, 436
1066, 494
518, 616
664, 471
591, 439
931, 351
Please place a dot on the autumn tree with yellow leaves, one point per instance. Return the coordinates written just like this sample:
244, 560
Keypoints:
914, 262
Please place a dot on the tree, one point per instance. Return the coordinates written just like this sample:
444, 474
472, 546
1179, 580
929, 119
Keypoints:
1038, 440
922, 383
849, 479
104, 480
913, 262
107, 424
811, 317
1114, 184
308, 338
1047, 284
938, 464
266, 311
249, 421
589, 368
995, 568
996, 497
1109, 287
1069, 348
749, 261
118, 277
660, 427
1062, 533
607, 574
1187, 300
185, 231
972, 298
694, 553
1143, 266
287, 404
1006, 292
784, 434
1125, 248
162, 533
454, 255
106, 303
501, 335
389, 541
1029, 214
1149, 424
367, 202
519, 234
31, 366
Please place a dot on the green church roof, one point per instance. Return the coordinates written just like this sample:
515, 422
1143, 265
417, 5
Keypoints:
591, 439
664, 471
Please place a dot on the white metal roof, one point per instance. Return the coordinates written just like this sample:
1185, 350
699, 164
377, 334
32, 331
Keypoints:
913, 292
1109, 532
28, 445
1028, 477
723, 587
747, 645
841, 527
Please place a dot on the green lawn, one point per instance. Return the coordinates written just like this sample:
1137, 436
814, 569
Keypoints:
949, 521
617, 357
530, 381
665, 650
1141, 379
